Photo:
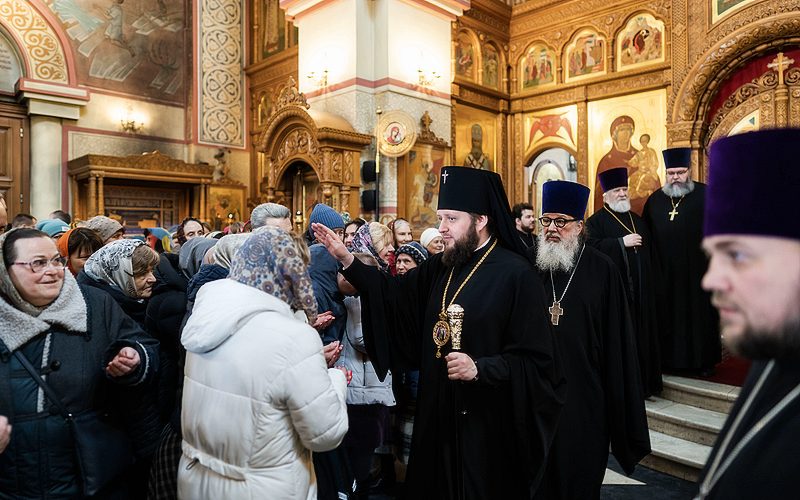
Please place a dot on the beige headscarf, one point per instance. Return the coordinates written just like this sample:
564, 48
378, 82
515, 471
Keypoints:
226, 248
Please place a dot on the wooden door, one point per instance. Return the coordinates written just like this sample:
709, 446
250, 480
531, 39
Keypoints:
14, 154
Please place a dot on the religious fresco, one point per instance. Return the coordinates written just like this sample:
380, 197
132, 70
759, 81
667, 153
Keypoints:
465, 56
537, 67
721, 8
552, 126
275, 32
491, 67
585, 56
640, 42
10, 66
420, 179
476, 138
749, 123
628, 131
136, 47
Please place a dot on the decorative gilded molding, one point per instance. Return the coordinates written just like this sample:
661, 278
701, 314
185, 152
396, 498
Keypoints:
716, 65
627, 84
151, 162
221, 103
41, 46
426, 135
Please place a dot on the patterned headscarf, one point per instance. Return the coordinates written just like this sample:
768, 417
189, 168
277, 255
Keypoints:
226, 248
270, 262
113, 265
413, 250
362, 243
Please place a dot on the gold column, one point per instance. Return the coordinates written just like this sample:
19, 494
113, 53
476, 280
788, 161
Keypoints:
73, 186
202, 210
101, 199
91, 205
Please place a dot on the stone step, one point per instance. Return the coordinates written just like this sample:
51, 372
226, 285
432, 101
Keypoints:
700, 393
683, 421
675, 456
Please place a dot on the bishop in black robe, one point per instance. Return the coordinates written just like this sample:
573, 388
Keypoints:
690, 330
486, 438
606, 230
605, 403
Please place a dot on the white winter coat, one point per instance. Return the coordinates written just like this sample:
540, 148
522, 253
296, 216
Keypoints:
257, 398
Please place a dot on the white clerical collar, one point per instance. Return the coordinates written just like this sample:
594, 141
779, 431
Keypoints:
484, 244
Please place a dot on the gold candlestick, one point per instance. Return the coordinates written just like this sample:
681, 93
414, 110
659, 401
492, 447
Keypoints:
455, 316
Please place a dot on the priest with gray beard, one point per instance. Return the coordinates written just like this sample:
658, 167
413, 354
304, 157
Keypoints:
592, 325
689, 324
622, 235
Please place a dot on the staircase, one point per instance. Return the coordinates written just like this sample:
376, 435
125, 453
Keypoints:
684, 422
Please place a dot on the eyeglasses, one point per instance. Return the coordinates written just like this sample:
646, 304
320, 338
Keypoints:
560, 222
39, 265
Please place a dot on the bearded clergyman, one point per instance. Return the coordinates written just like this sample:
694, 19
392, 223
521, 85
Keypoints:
473, 321
622, 235
690, 340
592, 325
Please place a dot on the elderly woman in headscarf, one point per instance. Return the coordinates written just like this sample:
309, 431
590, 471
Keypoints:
368, 397
83, 343
124, 270
258, 397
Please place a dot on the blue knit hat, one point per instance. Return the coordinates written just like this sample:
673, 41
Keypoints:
413, 250
53, 227
325, 215
565, 197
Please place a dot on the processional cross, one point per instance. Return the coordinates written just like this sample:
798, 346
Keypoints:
780, 64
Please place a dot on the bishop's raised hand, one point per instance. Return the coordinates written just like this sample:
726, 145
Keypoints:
332, 243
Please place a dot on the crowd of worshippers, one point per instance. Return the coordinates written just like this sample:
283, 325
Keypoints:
484, 360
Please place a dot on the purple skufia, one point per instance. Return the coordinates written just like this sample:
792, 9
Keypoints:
752, 181
565, 197
613, 178
677, 158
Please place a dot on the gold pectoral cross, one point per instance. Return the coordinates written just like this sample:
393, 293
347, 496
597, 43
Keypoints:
555, 312
673, 214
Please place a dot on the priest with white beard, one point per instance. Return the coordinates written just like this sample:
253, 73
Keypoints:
690, 340
589, 314
622, 235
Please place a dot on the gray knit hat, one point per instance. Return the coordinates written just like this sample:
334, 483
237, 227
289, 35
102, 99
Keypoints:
106, 227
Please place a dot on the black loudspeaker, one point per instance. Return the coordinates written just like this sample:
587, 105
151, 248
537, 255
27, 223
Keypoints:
368, 200
368, 171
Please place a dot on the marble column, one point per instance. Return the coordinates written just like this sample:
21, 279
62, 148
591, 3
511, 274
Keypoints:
45, 165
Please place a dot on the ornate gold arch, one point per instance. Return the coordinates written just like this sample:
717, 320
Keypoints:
325, 142
697, 92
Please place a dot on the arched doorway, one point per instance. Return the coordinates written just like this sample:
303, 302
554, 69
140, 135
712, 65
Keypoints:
553, 163
308, 156
299, 189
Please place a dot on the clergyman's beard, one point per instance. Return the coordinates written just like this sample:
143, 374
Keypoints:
783, 344
678, 189
462, 249
556, 256
620, 206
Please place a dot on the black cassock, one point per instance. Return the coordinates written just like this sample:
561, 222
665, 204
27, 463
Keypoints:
504, 421
635, 265
604, 402
690, 325
768, 466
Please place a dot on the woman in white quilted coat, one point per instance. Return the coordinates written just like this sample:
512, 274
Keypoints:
258, 397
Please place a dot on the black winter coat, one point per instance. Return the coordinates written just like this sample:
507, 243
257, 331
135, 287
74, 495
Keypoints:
40, 459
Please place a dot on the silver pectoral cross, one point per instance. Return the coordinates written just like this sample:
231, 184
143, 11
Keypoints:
673, 214
555, 312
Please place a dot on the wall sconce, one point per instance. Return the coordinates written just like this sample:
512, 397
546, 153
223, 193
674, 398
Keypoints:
425, 79
320, 81
130, 122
